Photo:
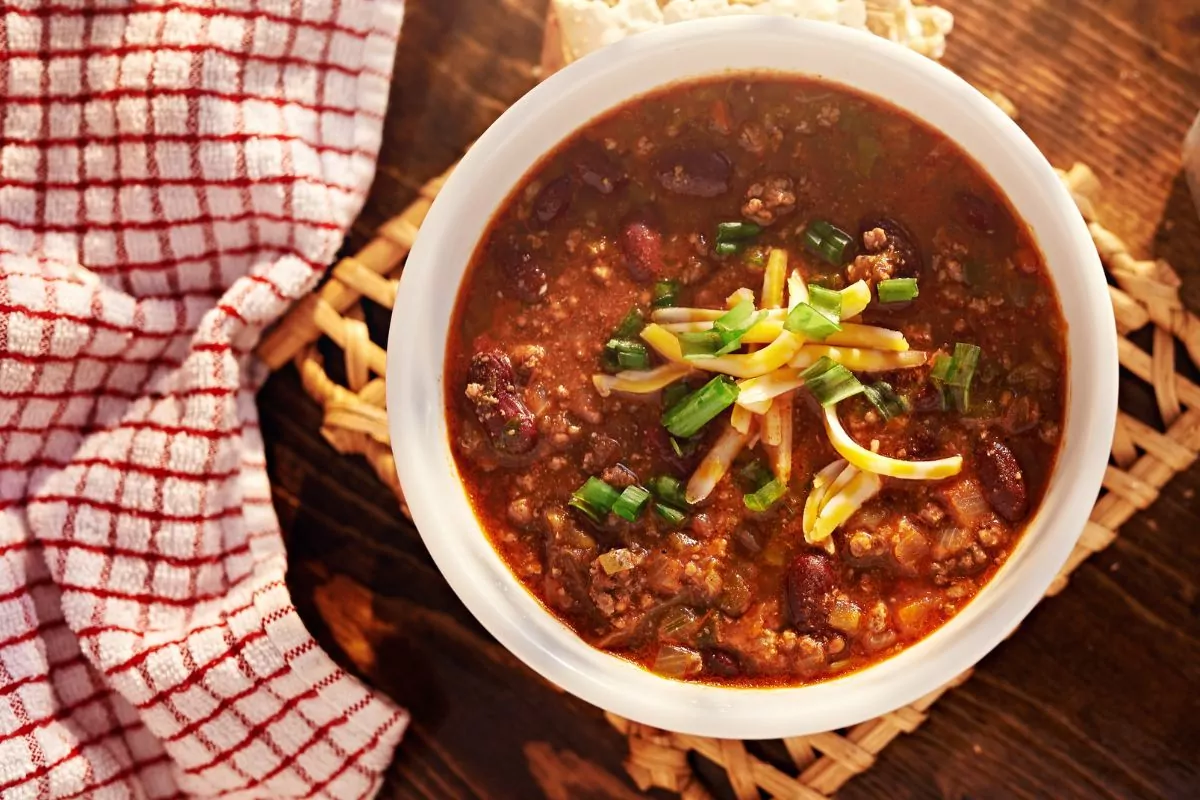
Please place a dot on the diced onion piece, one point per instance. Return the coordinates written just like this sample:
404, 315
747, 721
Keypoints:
853, 334
781, 454
816, 497
867, 461
741, 418
742, 295
797, 290
618, 560
715, 464
674, 661
772, 426
855, 298
773, 279
841, 507
858, 359
755, 391
663, 342
640, 381
749, 365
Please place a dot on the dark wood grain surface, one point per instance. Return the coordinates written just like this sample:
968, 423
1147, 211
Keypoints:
1095, 697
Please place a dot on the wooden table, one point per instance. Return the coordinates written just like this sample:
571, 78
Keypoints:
1097, 694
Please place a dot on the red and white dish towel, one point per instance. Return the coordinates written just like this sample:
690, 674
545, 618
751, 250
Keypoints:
172, 175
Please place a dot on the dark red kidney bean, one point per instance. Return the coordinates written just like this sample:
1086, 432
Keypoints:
642, 246
720, 663
597, 169
809, 583
554, 198
528, 279
900, 240
980, 214
492, 390
1003, 481
694, 171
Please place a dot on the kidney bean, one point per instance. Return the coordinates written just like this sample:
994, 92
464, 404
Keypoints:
906, 255
528, 279
491, 389
554, 198
596, 168
809, 584
694, 171
642, 246
720, 663
980, 214
1003, 481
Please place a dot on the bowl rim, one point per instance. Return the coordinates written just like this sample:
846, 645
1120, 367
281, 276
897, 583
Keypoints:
479, 576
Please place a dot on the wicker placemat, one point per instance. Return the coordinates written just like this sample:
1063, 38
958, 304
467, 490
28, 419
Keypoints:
1144, 457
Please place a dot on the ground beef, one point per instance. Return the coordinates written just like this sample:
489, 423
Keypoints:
769, 199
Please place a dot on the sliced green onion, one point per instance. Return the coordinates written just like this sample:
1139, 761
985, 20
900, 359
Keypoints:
631, 325
615, 561
737, 231
595, 498
954, 373
666, 294
826, 301
631, 503
733, 325
674, 661
765, 497
700, 407
807, 321
678, 623
677, 447
830, 382
674, 393
943, 368
673, 516
627, 354
700, 344
889, 404
669, 490
897, 290
727, 248
827, 242
754, 475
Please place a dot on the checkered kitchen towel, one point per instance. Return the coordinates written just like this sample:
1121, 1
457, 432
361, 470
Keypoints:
173, 174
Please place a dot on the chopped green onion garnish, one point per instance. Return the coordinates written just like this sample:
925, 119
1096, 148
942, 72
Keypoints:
615, 561
676, 447
754, 475
830, 382
627, 354
595, 498
807, 321
765, 497
674, 517
956, 372
897, 290
631, 325
827, 242
631, 502
700, 344
669, 490
700, 407
737, 231
674, 393
886, 401
726, 248
826, 301
943, 368
666, 294
734, 324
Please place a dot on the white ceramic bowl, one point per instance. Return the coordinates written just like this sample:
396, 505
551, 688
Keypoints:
538, 123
